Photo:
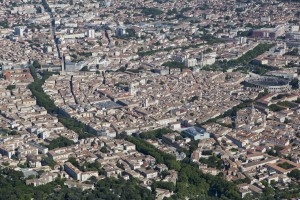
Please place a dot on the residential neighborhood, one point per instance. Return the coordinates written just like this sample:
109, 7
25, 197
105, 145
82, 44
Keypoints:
149, 99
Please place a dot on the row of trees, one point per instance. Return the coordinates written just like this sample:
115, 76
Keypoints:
287, 104
45, 101
81, 129
36, 64
46, 6
281, 104
174, 64
8, 132
294, 52
152, 12
250, 55
261, 69
232, 112
245, 62
153, 135
11, 87
38, 92
275, 108
60, 142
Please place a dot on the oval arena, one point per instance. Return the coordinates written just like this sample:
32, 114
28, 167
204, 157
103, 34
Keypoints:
272, 84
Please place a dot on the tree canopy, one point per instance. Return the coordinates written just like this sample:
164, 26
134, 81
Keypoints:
152, 11
60, 142
191, 183
45, 101
13, 187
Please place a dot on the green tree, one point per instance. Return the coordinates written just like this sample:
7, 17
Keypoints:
60, 142
155, 133
163, 185
152, 11
48, 161
294, 174
11, 87
85, 69
36, 64
104, 150
294, 83
173, 64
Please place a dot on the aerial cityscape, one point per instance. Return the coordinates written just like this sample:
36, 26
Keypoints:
149, 99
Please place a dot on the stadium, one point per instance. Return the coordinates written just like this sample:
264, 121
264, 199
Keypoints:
272, 84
